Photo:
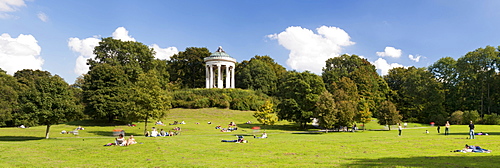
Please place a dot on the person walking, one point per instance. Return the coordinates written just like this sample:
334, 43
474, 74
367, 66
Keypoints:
399, 129
447, 128
471, 131
438, 128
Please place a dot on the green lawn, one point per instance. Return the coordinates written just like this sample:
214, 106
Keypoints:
199, 146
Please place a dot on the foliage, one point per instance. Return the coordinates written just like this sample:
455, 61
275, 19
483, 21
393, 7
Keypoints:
299, 92
491, 119
369, 84
45, 100
364, 114
457, 117
8, 98
236, 99
388, 115
256, 75
418, 94
326, 111
470, 116
187, 68
265, 114
346, 99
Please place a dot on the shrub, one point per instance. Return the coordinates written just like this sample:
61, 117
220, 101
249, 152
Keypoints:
492, 119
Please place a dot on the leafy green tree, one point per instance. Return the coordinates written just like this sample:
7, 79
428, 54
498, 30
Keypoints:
346, 98
492, 119
470, 116
150, 100
299, 92
364, 114
445, 71
8, 99
457, 117
476, 72
265, 114
326, 111
370, 85
45, 99
388, 114
256, 75
419, 95
187, 67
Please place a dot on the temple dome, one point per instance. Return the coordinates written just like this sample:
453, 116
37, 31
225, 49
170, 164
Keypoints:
220, 55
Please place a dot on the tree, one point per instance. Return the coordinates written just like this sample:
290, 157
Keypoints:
45, 99
419, 96
8, 98
299, 93
346, 98
364, 114
369, 84
445, 71
388, 115
265, 114
470, 116
187, 67
256, 75
113, 73
150, 100
457, 117
326, 111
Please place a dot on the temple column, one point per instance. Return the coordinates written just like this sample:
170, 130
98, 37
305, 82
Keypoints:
232, 76
219, 76
228, 82
207, 77
211, 80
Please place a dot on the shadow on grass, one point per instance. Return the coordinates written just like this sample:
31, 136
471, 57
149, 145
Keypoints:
95, 123
467, 160
467, 133
110, 133
289, 127
19, 138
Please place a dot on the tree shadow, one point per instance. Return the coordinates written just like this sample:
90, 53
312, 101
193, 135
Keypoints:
110, 133
20, 138
467, 160
288, 127
467, 133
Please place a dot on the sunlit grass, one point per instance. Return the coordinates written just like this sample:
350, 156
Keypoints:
199, 145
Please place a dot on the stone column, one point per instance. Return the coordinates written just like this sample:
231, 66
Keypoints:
207, 77
211, 80
219, 77
228, 82
232, 77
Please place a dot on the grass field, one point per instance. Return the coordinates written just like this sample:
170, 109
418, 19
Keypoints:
199, 145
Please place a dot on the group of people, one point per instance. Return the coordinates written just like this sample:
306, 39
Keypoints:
155, 133
121, 141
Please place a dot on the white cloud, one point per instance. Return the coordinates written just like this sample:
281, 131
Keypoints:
414, 58
43, 17
390, 52
384, 67
19, 53
164, 53
86, 48
308, 50
122, 34
10, 5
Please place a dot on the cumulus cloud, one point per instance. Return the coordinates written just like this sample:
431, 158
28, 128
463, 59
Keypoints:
122, 34
414, 58
85, 49
390, 52
384, 67
164, 53
309, 50
43, 17
19, 53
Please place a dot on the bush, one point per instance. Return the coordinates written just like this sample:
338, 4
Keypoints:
470, 116
456, 117
492, 119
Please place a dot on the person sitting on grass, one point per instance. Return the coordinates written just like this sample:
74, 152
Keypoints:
264, 135
120, 141
131, 140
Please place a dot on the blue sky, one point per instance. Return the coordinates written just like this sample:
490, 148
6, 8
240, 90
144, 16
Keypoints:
58, 36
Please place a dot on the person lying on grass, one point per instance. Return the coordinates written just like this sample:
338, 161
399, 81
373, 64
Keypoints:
239, 140
475, 149
264, 135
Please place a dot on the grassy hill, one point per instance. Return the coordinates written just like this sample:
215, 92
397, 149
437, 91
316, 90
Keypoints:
199, 145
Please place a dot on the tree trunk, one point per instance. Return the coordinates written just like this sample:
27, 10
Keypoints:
47, 131
146, 125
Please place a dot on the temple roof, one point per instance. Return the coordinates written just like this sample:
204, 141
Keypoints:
220, 54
